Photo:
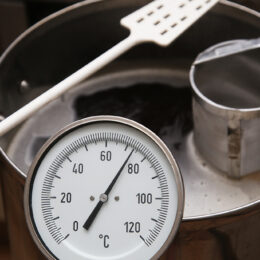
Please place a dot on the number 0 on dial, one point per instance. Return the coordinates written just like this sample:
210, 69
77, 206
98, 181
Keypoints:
104, 188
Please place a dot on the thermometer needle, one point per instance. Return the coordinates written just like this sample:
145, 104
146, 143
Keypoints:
104, 196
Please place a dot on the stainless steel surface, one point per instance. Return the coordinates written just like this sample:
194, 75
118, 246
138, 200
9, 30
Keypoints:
221, 215
24, 146
227, 110
227, 49
203, 183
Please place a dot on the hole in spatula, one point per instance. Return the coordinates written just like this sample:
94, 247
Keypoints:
164, 32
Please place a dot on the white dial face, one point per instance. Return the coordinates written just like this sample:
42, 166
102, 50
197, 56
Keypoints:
104, 189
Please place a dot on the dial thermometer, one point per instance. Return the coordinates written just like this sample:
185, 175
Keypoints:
105, 187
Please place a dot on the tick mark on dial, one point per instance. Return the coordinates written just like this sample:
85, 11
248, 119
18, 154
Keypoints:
144, 240
162, 210
143, 159
48, 186
154, 220
126, 147
86, 147
56, 218
68, 159
155, 177
66, 236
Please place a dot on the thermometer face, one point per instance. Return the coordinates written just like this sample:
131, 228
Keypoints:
104, 188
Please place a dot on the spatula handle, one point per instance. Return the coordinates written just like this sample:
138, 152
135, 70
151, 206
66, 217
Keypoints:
66, 84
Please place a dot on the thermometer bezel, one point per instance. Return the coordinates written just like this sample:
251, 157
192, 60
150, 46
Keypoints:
68, 129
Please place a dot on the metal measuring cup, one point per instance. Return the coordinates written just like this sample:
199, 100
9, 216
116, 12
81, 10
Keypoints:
226, 106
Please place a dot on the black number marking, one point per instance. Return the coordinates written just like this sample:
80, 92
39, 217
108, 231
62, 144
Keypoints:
78, 168
133, 168
75, 226
132, 227
105, 155
66, 197
106, 238
144, 198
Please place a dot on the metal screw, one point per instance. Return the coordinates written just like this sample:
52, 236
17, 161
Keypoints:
24, 86
103, 197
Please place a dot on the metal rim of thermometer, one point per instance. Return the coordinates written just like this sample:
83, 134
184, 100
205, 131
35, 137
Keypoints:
104, 187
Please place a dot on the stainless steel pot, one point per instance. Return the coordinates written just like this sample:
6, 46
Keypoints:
221, 218
226, 108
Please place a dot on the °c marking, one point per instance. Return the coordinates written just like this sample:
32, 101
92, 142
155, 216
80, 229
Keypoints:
105, 239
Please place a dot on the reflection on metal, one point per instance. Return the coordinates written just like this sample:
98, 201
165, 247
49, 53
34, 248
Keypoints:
225, 49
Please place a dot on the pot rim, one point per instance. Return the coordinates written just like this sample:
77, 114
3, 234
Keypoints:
76, 6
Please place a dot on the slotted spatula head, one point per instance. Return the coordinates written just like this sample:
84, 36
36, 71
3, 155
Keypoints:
162, 21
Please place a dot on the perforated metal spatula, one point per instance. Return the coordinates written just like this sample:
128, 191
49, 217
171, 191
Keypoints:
161, 22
